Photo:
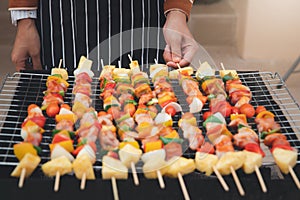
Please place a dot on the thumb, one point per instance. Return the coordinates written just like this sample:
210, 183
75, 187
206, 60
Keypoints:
36, 62
175, 46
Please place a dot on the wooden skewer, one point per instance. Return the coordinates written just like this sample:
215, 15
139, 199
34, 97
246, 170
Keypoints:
160, 180
222, 66
221, 179
115, 188
294, 176
57, 179
237, 181
60, 62
83, 181
22, 177
155, 61
200, 62
178, 65
119, 63
102, 63
130, 58
183, 187
260, 179
134, 174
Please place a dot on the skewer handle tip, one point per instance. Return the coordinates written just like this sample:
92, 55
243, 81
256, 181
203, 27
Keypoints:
22, 177
160, 180
83, 181
221, 179
183, 187
237, 182
57, 179
294, 176
134, 174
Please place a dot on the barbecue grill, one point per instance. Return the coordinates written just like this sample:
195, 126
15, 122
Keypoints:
22, 89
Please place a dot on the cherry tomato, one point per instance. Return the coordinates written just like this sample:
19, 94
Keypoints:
52, 110
235, 110
206, 115
170, 110
260, 109
129, 108
65, 106
248, 110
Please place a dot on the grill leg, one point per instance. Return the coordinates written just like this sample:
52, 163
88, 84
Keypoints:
290, 71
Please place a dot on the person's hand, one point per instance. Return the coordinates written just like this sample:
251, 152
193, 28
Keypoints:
27, 44
181, 46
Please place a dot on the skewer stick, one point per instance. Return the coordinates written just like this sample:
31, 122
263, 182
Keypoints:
155, 61
102, 63
60, 62
237, 181
130, 58
183, 187
178, 65
134, 174
222, 66
221, 179
160, 180
260, 179
294, 176
119, 63
22, 178
57, 179
200, 62
83, 181
115, 188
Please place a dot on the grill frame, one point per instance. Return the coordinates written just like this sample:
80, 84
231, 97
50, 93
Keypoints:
22, 89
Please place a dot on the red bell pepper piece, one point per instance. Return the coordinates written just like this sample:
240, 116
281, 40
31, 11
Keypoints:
255, 148
59, 138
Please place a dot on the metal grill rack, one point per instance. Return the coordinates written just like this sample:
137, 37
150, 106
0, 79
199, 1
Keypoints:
22, 89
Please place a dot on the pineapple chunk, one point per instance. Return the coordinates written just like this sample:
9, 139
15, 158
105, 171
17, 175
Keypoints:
113, 168
205, 162
180, 165
82, 164
61, 71
230, 159
129, 154
175, 73
252, 160
226, 72
151, 167
284, 158
60, 164
29, 162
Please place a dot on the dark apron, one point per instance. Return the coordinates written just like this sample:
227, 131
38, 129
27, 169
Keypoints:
107, 29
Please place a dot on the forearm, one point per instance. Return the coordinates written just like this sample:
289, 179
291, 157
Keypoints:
23, 4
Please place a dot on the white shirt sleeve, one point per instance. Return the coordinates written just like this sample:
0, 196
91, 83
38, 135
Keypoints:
22, 14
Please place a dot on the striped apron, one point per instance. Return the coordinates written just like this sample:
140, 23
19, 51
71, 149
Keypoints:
107, 29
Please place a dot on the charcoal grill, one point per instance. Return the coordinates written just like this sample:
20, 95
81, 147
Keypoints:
22, 89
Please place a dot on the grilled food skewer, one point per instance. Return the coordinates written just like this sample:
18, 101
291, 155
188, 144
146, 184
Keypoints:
251, 138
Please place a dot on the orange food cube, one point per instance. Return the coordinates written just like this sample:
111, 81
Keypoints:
22, 148
67, 145
151, 146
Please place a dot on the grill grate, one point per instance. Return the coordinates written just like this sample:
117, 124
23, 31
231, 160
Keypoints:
22, 89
